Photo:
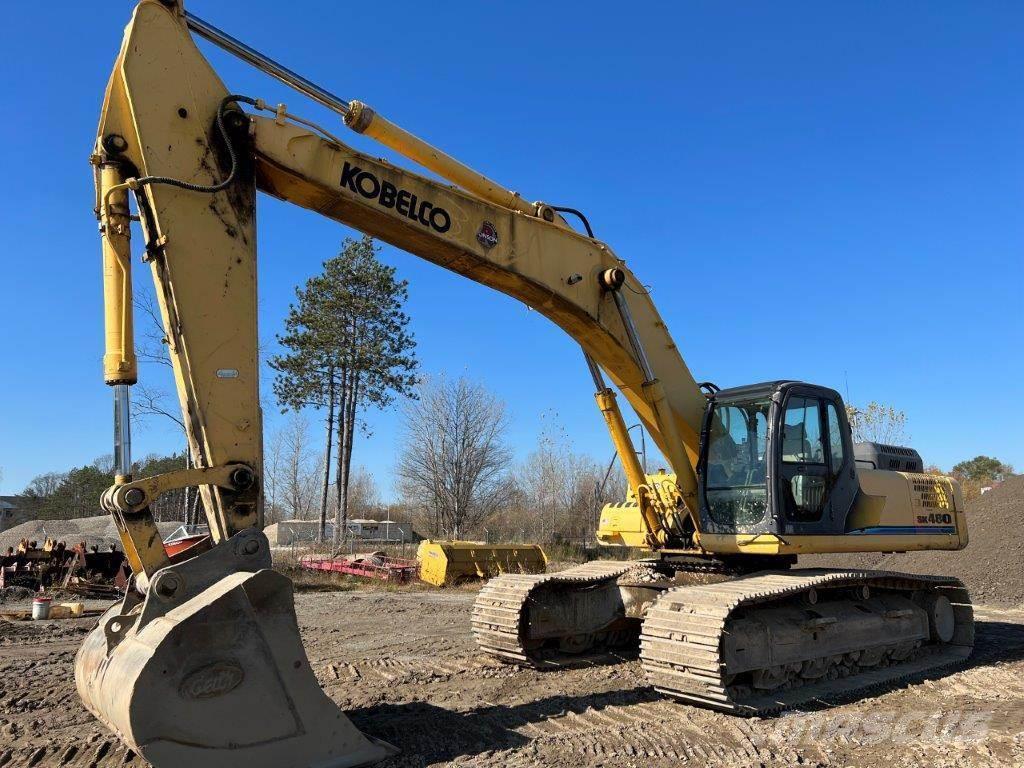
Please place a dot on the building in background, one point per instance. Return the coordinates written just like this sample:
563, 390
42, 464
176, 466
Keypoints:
12, 512
290, 532
387, 531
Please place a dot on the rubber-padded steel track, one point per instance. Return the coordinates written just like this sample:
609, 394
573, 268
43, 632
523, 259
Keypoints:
500, 609
682, 637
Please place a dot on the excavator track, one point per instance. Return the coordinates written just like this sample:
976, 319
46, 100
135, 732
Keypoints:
698, 641
501, 612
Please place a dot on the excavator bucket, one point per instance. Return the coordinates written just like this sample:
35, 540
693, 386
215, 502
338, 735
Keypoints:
444, 563
209, 670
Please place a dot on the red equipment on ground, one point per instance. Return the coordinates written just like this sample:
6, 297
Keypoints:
373, 565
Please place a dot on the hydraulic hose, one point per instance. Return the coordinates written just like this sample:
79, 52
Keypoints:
232, 153
143, 181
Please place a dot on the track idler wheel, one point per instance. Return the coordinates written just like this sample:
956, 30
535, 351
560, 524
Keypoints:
209, 670
941, 620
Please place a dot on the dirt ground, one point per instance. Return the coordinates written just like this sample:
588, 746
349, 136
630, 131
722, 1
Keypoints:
404, 667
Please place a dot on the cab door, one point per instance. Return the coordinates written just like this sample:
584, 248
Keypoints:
817, 482
803, 462
843, 484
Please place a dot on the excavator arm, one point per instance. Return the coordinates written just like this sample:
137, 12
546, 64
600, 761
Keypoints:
179, 666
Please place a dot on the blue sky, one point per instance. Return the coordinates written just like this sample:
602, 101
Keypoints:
821, 191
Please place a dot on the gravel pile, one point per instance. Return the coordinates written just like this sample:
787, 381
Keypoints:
15, 595
641, 574
992, 565
99, 531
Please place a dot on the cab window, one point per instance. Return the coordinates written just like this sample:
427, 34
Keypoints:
803, 460
735, 490
801, 432
835, 440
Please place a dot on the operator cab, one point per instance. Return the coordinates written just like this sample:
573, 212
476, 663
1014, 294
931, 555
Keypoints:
776, 457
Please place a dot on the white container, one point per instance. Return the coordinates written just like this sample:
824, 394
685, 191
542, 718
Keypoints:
41, 608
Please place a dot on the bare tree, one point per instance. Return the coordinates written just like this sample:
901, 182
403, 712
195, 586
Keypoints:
46, 485
454, 464
273, 463
611, 487
561, 491
104, 463
363, 496
292, 470
877, 423
148, 402
154, 340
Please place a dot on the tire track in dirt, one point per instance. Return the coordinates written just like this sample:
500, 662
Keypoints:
431, 694
390, 671
79, 753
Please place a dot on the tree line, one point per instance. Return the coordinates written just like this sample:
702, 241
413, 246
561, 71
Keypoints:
456, 475
346, 348
76, 492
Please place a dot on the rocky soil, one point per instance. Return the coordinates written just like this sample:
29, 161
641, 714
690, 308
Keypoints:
404, 667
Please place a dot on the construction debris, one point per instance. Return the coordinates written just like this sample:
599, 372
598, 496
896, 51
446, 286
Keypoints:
370, 565
60, 611
83, 570
36, 556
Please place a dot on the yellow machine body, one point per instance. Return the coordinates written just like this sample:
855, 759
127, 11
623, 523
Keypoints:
889, 501
446, 563
932, 506
623, 524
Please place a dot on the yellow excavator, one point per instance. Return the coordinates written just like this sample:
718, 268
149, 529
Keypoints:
201, 663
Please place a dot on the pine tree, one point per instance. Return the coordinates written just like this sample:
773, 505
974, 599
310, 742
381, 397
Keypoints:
348, 348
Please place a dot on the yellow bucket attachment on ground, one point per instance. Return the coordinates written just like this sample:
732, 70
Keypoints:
209, 670
444, 563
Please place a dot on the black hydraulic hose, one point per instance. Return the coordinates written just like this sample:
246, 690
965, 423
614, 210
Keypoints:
232, 154
577, 214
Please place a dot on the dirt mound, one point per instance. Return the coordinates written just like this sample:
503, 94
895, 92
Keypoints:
992, 565
99, 531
